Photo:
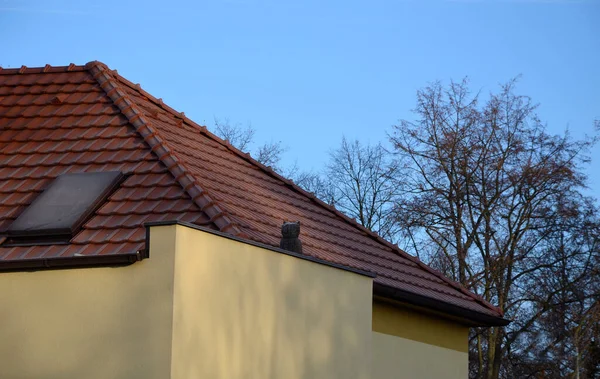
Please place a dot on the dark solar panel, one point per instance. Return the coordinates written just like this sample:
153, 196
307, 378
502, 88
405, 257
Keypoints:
65, 205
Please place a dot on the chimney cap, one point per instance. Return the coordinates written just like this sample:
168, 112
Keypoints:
289, 236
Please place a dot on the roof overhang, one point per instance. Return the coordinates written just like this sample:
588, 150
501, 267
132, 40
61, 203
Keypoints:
84, 261
471, 317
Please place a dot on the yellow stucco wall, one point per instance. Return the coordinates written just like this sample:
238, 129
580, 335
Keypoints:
417, 325
246, 312
103, 323
204, 306
400, 358
410, 343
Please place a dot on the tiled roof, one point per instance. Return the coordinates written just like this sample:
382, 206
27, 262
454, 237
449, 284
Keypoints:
55, 120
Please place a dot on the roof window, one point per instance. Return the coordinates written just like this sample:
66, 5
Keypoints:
58, 213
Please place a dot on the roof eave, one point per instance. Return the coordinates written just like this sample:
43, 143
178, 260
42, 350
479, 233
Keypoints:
87, 261
473, 318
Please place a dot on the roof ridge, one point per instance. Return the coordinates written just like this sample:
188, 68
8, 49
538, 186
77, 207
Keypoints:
269, 170
129, 109
40, 70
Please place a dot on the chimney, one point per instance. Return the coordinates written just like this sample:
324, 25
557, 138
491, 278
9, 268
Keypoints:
289, 237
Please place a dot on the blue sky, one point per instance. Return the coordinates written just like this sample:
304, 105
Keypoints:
308, 72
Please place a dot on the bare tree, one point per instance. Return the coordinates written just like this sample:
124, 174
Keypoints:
363, 184
480, 184
312, 181
565, 292
237, 135
269, 153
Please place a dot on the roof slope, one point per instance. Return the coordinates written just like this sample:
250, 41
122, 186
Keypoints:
89, 118
59, 120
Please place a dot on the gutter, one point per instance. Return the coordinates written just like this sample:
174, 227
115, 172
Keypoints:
85, 261
473, 317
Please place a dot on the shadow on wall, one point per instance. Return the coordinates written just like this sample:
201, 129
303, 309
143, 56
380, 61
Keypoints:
246, 312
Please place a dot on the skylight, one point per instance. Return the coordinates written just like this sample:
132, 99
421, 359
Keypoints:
60, 211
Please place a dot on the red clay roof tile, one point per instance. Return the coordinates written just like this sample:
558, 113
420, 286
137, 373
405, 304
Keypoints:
41, 138
55, 120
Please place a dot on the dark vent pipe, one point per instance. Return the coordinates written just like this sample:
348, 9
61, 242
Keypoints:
289, 237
